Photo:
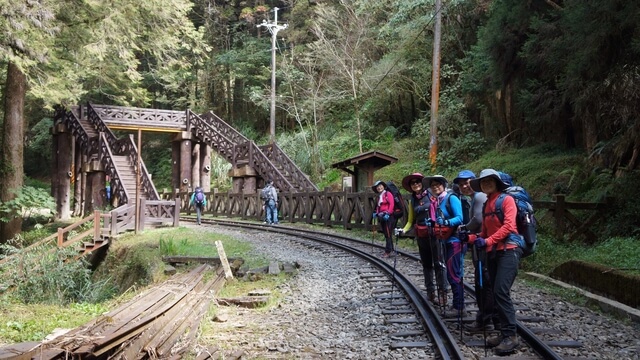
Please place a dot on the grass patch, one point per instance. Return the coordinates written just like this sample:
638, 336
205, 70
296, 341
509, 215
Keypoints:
22, 323
133, 263
616, 253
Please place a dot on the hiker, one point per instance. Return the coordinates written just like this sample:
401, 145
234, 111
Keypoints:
199, 201
270, 197
384, 213
107, 186
445, 213
503, 256
428, 246
472, 203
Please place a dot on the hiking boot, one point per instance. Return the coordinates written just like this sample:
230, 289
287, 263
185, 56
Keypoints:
442, 298
432, 297
454, 313
386, 254
508, 345
478, 327
494, 341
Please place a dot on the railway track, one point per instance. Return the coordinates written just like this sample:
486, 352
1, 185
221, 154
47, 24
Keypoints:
394, 281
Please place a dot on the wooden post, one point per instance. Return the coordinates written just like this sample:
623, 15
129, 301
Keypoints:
114, 223
223, 260
185, 164
142, 215
138, 176
175, 165
176, 212
205, 161
60, 237
64, 173
327, 209
96, 225
196, 167
559, 214
345, 210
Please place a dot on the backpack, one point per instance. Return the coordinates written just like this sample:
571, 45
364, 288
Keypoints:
265, 193
199, 198
398, 202
525, 220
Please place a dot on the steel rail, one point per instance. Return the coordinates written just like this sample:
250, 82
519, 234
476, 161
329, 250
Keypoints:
445, 343
535, 342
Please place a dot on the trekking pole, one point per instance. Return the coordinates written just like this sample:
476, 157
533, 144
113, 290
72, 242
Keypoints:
479, 297
395, 261
373, 233
435, 263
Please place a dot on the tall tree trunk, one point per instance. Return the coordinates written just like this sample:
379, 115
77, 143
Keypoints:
12, 164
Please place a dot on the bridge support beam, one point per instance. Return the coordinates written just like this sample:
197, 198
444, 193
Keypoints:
205, 172
195, 165
244, 180
184, 163
62, 172
95, 192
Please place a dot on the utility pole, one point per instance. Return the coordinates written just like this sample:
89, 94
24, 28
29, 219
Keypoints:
273, 29
435, 87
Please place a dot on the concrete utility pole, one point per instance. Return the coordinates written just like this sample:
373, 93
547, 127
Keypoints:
273, 29
435, 87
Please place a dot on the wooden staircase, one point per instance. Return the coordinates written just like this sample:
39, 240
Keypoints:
127, 171
269, 161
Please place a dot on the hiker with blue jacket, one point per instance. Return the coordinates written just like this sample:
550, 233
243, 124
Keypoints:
199, 202
445, 215
503, 255
271, 203
384, 213
472, 204
428, 246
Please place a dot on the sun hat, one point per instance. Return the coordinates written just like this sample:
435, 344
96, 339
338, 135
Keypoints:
406, 182
375, 185
488, 173
464, 175
426, 182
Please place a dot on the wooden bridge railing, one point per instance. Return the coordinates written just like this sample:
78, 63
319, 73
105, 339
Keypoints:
559, 209
106, 226
354, 210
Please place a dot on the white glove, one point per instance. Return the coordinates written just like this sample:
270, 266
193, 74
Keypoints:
398, 231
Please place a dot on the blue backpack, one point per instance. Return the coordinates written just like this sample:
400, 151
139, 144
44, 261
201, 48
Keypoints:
526, 223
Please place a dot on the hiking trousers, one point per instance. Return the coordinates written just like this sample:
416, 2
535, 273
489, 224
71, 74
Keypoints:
272, 212
455, 270
429, 250
387, 228
503, 268
198, 213
486, 310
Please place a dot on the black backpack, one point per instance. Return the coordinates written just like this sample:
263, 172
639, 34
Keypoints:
398, 202
265, 193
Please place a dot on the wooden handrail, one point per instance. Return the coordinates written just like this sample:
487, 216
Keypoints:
354, 210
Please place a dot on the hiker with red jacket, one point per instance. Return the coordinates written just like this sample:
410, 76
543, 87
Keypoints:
503, 256
384, 213
472, 204
428, 247
445, 215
